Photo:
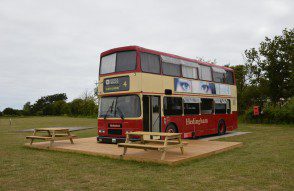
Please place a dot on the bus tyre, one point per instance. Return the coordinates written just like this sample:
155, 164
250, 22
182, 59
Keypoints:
221, 130
171, 128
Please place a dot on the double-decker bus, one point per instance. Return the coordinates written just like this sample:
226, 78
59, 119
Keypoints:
145, 90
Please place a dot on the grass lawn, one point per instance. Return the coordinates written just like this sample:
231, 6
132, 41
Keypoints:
265, 162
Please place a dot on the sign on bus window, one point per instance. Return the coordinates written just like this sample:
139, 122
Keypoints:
116, 84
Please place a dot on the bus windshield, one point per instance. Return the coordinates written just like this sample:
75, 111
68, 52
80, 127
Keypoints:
120, 106
118, 62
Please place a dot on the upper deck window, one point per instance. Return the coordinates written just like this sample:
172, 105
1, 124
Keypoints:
189, 69
189, 72
229, 77
171, 66
171, 69
118, 62
150, 63
205, 73
218, 74
108, 64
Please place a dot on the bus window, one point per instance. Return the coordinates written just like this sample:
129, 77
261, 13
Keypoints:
125, 61
229, 77
120, 106
172, 106
171, 66
205, 73
118, 62
191, 108
108, 64
150, 63
171, 69
206, 106
189, 72
228, 106
191, 105
218, 74
220, 106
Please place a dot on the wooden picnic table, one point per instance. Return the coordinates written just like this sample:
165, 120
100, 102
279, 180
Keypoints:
171, 140
52, 134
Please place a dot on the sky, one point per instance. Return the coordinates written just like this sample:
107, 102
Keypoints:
53, 46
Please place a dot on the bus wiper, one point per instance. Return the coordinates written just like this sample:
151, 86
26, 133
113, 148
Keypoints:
121, 113
110, 108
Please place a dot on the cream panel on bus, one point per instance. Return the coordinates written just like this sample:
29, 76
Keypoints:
234, 97
152, 83
168, 83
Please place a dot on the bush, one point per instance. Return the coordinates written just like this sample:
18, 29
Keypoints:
83, 107
272, 114
11, 112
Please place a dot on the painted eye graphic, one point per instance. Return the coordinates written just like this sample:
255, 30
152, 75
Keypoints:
205, 88
185, 86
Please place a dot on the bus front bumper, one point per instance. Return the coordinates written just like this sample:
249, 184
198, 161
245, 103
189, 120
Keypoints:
113, 140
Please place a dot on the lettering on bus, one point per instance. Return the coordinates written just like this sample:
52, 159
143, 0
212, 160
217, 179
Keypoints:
116, 84
194, 121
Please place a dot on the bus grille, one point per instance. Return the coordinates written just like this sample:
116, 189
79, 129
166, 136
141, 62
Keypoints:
114, 131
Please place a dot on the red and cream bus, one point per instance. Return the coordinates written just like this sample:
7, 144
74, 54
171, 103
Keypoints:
146, 90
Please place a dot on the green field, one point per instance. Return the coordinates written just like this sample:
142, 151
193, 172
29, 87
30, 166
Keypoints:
265, 162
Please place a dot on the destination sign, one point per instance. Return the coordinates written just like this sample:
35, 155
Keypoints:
116, 84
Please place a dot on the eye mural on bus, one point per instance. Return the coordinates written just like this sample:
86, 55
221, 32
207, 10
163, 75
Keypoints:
206, 88
201, 87
183, 85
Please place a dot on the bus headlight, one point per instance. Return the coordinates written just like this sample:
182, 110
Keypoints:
101, 131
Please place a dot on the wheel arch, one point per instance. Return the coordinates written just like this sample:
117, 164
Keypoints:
171, 123
221, 120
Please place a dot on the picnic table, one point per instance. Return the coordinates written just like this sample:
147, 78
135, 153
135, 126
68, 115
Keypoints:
171, 140
52, 134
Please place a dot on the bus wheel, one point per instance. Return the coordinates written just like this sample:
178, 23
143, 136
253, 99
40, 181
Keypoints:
171, 128
221, 130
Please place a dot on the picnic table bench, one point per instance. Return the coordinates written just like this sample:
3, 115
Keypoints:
171, 140
52, 134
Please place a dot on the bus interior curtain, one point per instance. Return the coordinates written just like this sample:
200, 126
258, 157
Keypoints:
170, 60
191, 100
218, 70
220, 101
189, 64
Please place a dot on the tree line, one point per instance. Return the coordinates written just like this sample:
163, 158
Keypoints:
56, 105
267, 80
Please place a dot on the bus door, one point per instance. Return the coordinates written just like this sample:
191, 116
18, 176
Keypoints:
151, 113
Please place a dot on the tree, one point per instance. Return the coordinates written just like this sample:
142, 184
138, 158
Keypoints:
271, 66
43, 106
27, 108
59, 108
76, 107
10, 112
84, 106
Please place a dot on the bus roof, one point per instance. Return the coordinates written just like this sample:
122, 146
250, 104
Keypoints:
141, 49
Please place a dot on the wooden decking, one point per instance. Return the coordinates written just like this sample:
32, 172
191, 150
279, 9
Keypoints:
194, 149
